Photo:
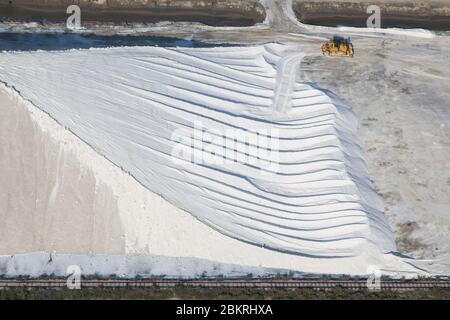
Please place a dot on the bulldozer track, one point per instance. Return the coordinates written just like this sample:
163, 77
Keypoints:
233, 284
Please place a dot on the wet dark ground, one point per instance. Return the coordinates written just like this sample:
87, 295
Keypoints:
65, 41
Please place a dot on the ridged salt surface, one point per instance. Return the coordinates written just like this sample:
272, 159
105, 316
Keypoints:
136, 105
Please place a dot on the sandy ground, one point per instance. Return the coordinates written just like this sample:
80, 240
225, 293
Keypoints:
405, 130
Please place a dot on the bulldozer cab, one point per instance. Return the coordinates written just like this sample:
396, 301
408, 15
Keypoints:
338, 46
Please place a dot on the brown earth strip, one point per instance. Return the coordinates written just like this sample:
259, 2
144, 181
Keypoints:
216, 13
434, 15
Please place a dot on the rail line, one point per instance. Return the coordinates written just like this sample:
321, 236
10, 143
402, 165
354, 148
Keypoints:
232, 284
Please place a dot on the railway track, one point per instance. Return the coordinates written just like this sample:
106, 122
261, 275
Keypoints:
247, 284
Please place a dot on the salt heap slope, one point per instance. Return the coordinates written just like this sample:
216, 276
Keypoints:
307, 193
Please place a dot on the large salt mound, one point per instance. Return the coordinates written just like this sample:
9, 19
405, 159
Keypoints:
316, 200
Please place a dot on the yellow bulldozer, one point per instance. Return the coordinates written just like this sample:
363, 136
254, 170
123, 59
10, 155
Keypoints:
338, 46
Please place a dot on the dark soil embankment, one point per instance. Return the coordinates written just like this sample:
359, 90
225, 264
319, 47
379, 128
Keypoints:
212, 12
219, 293
433, 15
